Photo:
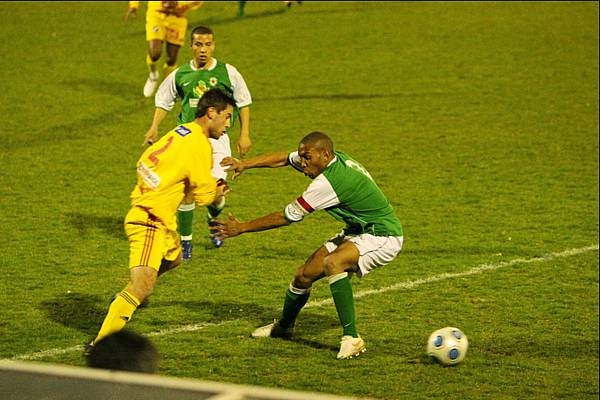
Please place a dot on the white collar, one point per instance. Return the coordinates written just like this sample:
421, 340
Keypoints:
334, 159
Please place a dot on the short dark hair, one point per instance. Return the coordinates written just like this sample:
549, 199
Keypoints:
216, 98
318, 140
201, 30
124, 351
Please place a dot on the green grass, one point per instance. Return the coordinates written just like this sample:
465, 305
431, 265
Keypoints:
478, 120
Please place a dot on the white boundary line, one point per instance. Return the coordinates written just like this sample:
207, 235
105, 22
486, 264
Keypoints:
473, 271
402, 285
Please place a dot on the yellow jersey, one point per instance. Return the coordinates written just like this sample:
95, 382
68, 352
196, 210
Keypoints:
178, 164
167, 7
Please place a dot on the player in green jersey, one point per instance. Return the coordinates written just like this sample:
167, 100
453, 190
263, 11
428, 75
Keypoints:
372, 237
188, 83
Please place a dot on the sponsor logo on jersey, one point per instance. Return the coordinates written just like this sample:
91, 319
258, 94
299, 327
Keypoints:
150, 178
200, 89
183, 131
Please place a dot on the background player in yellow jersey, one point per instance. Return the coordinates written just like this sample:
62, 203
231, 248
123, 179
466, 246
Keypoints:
165, 22
177, 166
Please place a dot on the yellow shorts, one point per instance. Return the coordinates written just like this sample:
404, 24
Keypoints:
149, 240
169, 28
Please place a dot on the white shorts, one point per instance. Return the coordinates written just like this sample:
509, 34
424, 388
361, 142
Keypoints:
375, 251
220, 149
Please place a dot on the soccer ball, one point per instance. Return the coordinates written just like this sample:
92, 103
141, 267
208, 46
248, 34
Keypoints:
448, 345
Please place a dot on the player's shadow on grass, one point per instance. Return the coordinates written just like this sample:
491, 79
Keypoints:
86, 312
77, 128
311, 323
84, 223
315, 324
216, 312
80, 311
341, 96
216, 21
117, 88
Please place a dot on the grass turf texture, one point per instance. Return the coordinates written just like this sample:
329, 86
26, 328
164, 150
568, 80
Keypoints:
478, 120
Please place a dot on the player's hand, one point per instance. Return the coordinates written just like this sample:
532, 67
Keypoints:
243, 145
231, 164
222, 230
131, 12
222, 189
151, 136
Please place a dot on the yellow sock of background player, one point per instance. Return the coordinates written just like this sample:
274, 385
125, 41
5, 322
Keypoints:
152, 81
119, 313
152, 67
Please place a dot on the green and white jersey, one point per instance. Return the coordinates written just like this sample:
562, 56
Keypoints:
346, 191
189, 84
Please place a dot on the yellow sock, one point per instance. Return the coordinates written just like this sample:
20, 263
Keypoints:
119, 312
167, 69
152, 66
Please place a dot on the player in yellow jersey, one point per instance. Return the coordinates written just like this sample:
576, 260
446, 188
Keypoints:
165, 22
177, 166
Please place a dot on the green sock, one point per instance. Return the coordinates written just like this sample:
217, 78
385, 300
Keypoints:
215, 209
341, 290
295, 299
185, 219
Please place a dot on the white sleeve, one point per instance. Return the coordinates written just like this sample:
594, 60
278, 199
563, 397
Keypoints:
167, 93
241, 94
294, 160
221, 148
318, 196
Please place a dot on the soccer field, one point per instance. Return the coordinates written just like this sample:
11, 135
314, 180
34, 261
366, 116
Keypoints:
478, 120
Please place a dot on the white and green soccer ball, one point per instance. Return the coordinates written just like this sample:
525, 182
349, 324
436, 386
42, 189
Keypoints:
448, 345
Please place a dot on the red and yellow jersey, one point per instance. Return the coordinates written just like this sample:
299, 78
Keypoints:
168, 7
178, 164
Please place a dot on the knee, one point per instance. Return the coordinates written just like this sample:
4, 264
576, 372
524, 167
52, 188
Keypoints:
301, 280
188, 202
166, 266
142, 289
147, 290
171, 60
154, 55
331, 266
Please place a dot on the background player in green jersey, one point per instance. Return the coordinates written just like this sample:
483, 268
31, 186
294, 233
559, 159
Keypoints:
189, 82
372, 237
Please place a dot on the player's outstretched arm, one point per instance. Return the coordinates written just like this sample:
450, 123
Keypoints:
131, 13
152, 135
273, 160
244, 142
234, 227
